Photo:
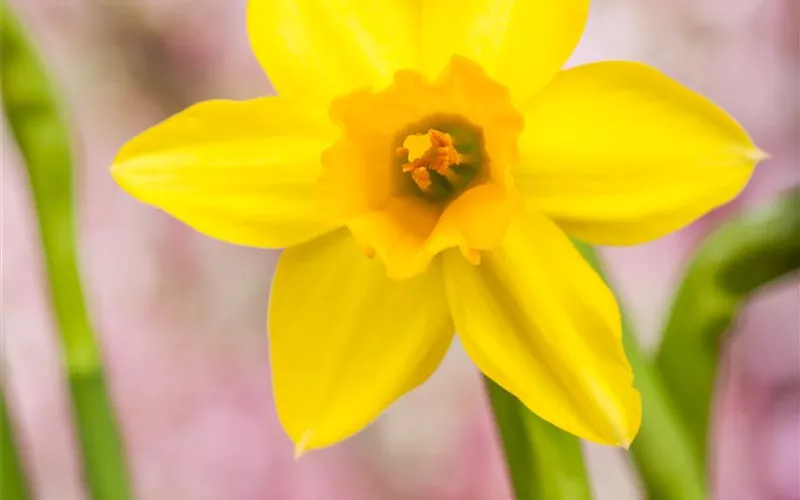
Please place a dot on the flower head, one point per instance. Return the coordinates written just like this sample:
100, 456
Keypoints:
423, 163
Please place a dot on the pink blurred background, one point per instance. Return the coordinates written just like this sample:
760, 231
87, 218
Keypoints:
182, 317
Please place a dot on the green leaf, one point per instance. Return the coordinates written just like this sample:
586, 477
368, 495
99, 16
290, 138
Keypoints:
13, 485
543, 461
103, 453
42, 135
732, 263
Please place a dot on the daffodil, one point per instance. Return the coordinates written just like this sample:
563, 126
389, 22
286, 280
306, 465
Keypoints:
423, 163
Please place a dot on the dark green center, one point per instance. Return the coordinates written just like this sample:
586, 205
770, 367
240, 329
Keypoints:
467, 140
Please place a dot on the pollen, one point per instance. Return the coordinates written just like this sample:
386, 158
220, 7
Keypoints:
431, 152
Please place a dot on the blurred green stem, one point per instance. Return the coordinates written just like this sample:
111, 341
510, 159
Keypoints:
42, 135
733, 262
13, 485
662, 450
544, 462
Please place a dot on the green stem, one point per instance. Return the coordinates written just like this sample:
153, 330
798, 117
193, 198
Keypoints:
104, 462
43, 139
732, 263
13, 485
544, 462
662, 450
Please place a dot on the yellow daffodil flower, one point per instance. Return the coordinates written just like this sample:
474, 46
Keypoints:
423, 163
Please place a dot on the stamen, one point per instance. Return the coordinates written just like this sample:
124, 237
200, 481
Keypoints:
472, 255
439, 156
422, 177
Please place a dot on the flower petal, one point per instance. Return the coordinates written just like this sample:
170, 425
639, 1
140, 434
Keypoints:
242, 172
541, 323
617, 153
346, 340
320, 50
520, 43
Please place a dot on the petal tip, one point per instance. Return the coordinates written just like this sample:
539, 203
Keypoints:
625, 430
634, 421
623, 439
301, 446
758, 155
120, 174
116, 171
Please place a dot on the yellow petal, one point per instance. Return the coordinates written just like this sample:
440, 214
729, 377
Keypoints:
322, 49
242, 172
345, 340
541, 323
617, 153
520, 43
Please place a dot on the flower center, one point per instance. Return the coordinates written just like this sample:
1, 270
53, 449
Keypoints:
423, 166
439, 156
443, 161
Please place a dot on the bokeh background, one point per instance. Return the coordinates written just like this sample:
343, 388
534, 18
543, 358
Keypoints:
182, 317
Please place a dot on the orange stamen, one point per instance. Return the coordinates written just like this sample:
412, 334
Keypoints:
439, 157
422, 177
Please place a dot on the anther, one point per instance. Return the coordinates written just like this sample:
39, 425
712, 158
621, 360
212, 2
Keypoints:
439, 157
422, 177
